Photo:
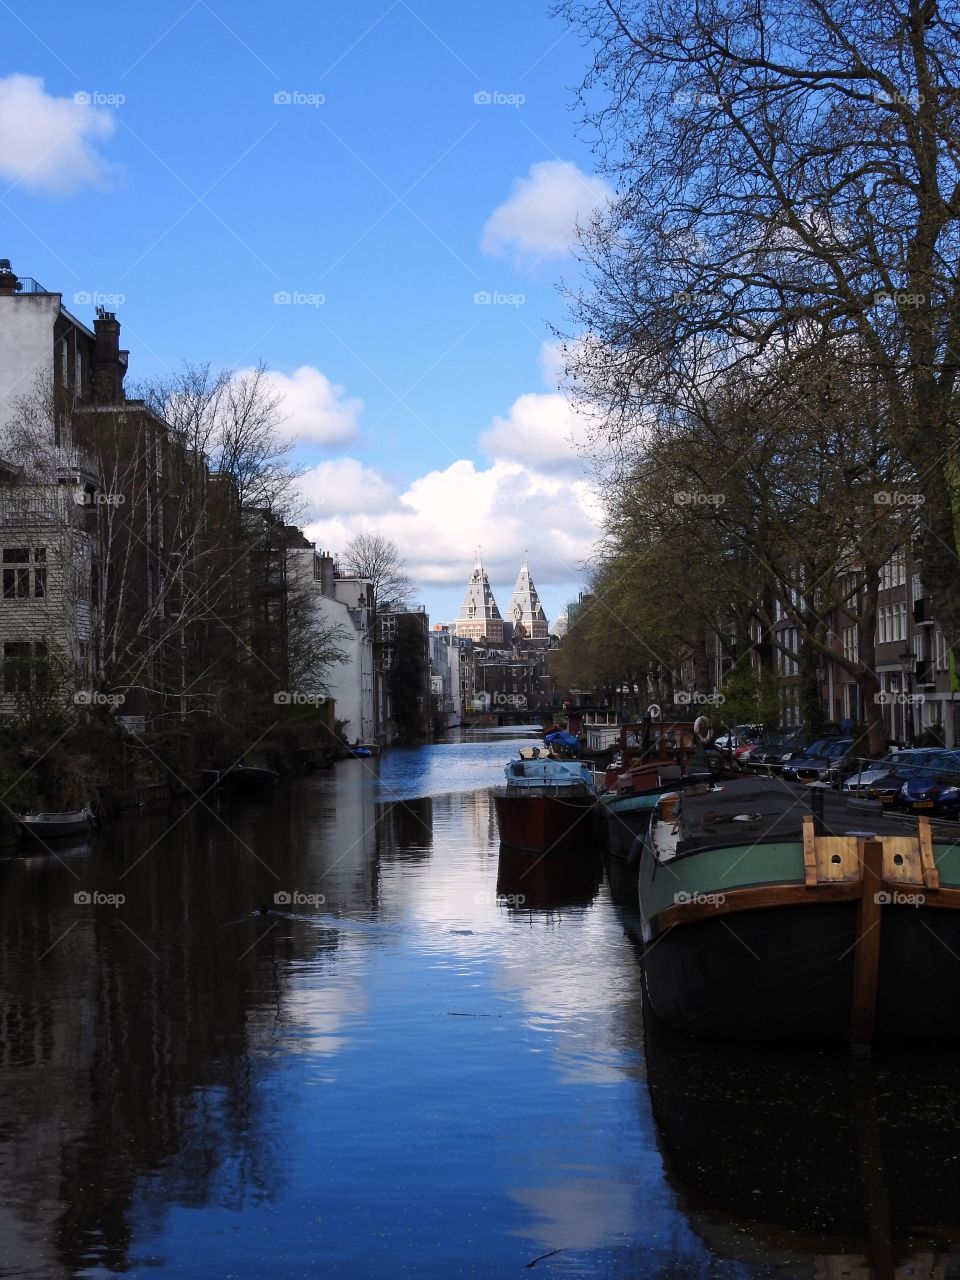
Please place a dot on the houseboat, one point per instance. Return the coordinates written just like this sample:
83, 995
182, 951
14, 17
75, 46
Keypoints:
655, 756
772, 912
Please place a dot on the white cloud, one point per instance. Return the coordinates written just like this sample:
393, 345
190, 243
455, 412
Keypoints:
344, 486
316, 410
49, 143
541, 431
539, 218
444, 515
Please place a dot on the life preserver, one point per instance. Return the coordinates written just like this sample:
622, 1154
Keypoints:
701, 729
653, 711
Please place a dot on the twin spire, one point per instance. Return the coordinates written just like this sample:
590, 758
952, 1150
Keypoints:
480, 619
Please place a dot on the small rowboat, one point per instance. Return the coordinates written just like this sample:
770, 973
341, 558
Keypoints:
249, 777
49, 826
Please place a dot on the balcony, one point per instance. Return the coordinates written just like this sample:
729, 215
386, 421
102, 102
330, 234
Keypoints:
923, 673
922, 612
27, 284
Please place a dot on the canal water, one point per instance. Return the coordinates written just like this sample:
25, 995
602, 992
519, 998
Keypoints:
427, 1058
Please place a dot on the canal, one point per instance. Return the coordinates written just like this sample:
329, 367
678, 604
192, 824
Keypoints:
336, 1032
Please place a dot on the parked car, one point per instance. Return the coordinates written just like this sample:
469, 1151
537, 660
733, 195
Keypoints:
746, 750
921, 765
780, 748
739, 735
823, 762
937, 787
871, 771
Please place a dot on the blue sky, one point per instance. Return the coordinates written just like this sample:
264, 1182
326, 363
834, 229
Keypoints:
150, 157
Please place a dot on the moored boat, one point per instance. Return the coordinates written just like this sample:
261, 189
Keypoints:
778, 913
656, 756
249, 777
546, 803
48, 825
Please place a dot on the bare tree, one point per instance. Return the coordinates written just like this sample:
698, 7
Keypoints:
788, 175
373, 556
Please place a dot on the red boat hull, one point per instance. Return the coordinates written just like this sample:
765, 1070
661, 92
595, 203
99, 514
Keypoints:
539, 824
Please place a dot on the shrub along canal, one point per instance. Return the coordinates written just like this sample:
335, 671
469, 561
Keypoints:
334, 1031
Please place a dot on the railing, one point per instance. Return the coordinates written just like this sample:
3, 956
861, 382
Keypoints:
27, 284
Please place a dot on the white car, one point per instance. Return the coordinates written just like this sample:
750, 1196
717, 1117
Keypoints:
738, 735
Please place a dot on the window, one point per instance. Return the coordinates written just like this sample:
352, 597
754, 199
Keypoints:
851, 643
16, 667
900, 614
16, 572
883, 624
941, 658
894, 572
17, 584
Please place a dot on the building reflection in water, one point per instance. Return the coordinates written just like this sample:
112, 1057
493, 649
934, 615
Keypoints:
134, 1038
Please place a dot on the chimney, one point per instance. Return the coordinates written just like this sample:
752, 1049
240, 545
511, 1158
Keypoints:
9, 284
327, 587
110, 363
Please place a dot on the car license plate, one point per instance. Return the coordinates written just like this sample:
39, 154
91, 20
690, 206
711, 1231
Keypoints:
923, 804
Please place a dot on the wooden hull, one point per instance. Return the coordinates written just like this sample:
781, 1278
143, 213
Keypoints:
733, 956
786, 975
543, 823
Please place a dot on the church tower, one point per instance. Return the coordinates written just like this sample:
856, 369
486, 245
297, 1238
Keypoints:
526, 611
479, 617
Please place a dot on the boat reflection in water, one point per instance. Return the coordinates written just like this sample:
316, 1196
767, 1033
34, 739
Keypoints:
562, 879
816, 1164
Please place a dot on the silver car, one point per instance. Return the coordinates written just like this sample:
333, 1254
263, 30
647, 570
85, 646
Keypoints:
871, 771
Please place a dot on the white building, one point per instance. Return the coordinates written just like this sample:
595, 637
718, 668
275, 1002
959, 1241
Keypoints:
451, 672
344, 604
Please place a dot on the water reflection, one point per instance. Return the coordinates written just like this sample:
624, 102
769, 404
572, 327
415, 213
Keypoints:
551, 881
400, 1070
816, 1163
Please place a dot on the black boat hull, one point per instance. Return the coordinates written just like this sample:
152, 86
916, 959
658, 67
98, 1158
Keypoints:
786, 974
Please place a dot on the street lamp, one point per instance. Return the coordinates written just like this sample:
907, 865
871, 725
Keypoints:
907, 660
